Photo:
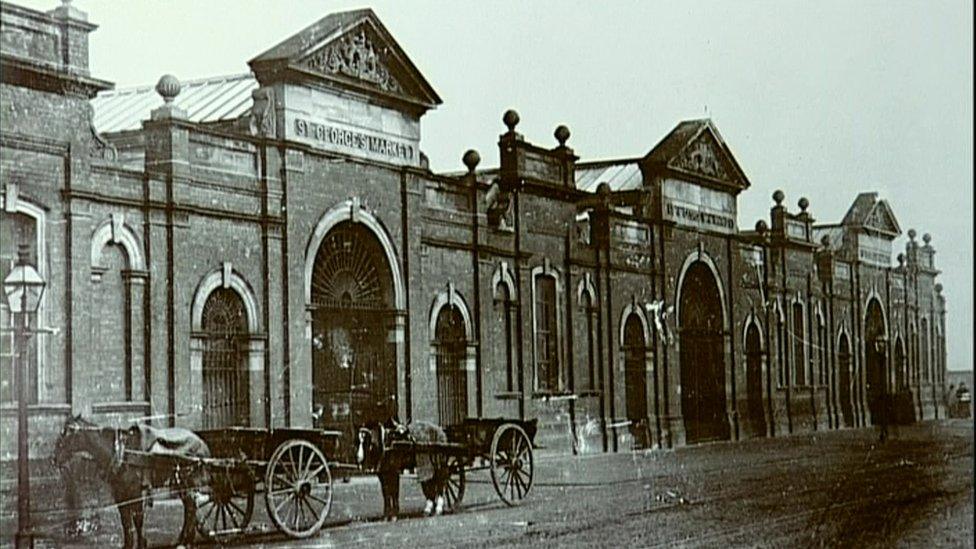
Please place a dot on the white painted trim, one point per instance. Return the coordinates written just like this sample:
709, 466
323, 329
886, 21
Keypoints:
884, 314
31, 209
752, 319
351, 210
586, 285
216, 279
635, 308
442, 299
503, 275
546, 269
804, 341
700, 255
106, 233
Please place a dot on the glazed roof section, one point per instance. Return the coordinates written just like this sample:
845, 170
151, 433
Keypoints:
212, 99
621, 175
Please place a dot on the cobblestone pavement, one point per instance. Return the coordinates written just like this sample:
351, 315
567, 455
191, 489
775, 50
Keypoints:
837, 488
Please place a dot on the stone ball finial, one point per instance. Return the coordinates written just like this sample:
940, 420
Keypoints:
603, 188
825, 240
561, 134
938, 288
778, 197
511, 119
911, 234
803, 203
926, 238
471, 159
761, 227
168, 87
901, 259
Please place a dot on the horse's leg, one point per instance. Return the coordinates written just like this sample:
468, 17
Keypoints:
125, 513
138, 514
395, 493
386, 488
430, 494
189, 516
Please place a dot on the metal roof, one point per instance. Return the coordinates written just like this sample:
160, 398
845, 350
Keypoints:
205, 100
622, 175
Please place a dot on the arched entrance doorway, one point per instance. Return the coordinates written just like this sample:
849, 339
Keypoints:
353, 314
702, 356
875, 353
754, 387
635, 379
226, 386
844, 380
450, 348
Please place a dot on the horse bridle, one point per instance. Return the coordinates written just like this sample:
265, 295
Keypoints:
118, 444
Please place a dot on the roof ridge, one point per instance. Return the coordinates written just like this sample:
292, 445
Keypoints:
202, 80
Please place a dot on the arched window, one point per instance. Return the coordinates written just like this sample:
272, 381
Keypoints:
822, 350
16, 228
900, 373
225, 361
548, 374
450, 347
913, 354
111, 329
586, 378
502, 327
844, 379
924, 351
780, 351
798, 340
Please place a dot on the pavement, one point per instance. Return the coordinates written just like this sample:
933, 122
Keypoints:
835, 488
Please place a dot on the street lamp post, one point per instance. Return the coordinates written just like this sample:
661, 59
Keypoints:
23, 288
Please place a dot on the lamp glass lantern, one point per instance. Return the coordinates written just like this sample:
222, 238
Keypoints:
23, 286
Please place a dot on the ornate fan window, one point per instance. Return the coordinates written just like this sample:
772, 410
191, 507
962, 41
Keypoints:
349, 270
225, 375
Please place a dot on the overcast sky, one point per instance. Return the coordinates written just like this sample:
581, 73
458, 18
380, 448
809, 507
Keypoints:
820, 99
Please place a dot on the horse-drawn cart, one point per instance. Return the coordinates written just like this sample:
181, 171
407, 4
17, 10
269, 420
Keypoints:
502, 446
289, 466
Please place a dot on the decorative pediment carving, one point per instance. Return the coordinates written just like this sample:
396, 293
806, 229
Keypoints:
354, 55
704, 156
881, 219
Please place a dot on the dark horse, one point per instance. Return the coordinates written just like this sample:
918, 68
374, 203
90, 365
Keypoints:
129, 483
374, 454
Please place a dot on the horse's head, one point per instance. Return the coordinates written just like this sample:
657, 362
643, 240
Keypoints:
369, 450
73, 439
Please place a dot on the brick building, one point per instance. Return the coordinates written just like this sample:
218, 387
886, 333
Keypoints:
271, 249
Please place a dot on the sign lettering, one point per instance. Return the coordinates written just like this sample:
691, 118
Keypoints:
692, 205
354, 140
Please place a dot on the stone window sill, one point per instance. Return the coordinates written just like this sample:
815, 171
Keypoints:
9, 409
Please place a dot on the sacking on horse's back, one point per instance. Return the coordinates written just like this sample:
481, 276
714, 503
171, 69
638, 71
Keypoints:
424, 432
171, 440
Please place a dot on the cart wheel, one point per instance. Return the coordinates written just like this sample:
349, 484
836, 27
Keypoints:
511, 463
454, 487
224, 506
298, 488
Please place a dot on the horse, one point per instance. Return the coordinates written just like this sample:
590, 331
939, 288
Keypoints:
373, 454
129, 484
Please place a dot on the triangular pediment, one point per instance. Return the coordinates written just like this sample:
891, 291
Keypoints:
872, 214
696, 150
882, 219
348, 50
357, 55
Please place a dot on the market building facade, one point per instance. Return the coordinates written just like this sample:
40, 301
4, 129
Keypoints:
271, 249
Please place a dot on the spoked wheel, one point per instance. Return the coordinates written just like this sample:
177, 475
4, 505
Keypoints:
225, 505
454, 487
298, 488
511, 463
